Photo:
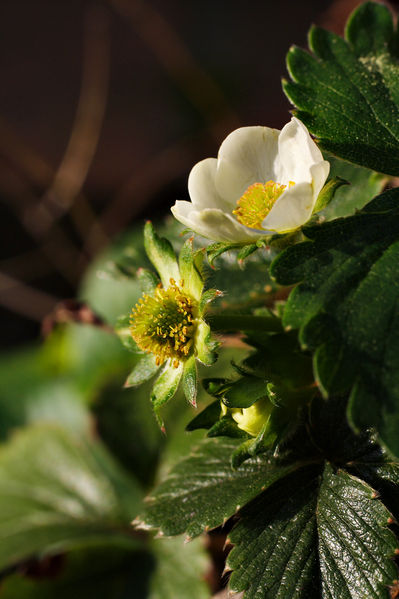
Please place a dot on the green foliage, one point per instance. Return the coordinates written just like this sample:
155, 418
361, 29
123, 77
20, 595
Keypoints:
314, 535
179, 567
347, 91
202, 490
58, 492
310, 524
310, 498
112, 572
364, 185
346, 309
106, 572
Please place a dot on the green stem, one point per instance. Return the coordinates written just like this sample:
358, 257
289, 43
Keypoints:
244, 322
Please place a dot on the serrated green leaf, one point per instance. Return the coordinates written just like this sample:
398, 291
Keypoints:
349, 274
143, 371
356, 548
58, 492
347, 93
275, 556
308, 537
202, 490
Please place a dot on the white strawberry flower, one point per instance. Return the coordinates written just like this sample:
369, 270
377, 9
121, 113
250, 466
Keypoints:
264, 181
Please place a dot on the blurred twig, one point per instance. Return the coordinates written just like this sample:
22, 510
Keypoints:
199, 88
23, 299
82, 145
145, 182
30, 172
174, 56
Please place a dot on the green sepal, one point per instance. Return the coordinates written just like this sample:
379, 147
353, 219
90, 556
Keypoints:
165, 387
148, 280
216, 387
190, 380
204, 346
206, 298
122, 329
214, 250
142, 372
328, 192
242, 453
188, 271
245, 392
161, 254
246, 251
206, 418
275, 395
226, 427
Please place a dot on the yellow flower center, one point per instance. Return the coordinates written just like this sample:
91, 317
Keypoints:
257, 201
164, 323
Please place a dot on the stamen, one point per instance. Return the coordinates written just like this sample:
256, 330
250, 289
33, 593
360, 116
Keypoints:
164, 323
256, 203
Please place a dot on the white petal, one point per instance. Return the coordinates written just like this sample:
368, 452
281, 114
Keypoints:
298, 152
292, 209
248, 155
201, 185
213, 223
319, 174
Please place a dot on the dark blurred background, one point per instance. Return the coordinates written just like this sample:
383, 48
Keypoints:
105, 107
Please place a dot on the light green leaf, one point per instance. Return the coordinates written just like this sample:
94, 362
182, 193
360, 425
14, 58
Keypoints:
347, 91
58, 493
